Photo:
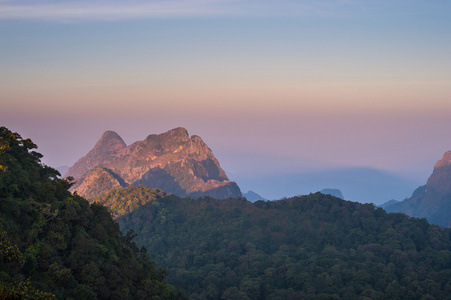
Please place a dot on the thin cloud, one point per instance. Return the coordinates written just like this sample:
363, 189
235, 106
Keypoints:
136, 9
108, 10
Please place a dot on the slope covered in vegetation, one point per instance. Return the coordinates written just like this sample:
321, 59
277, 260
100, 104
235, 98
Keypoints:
56, 243
309, 247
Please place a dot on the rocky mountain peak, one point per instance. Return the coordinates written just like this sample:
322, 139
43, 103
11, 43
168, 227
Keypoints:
107, 147
197, 147
444, 161
440, 180
179, 134
432, 200
171, 161
167, 141
110, 142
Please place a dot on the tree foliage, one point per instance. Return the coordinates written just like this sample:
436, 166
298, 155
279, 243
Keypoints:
59, 243
309, 247
124, 201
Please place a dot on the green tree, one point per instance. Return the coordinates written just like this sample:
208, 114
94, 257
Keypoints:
64, 245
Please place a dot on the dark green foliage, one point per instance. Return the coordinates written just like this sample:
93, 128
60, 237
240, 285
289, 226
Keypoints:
15, 288
123, 201
65, 246
309, 247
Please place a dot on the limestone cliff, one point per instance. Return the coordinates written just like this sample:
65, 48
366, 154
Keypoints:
99, 181
440, 180
172, 161
109, 145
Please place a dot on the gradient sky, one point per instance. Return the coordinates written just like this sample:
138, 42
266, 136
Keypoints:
271, 86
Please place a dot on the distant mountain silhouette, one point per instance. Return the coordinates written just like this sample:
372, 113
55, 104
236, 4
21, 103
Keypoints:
172, 161
433, 200
333, 192
364, 185
389, 203
62, 169
253, 196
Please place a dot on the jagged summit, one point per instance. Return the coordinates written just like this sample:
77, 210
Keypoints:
108, 146
110, 142
109, 134
175, 135
171, 161
440, 180
444, 161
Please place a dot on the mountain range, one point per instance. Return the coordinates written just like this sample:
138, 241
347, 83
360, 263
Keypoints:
433, 200
361, 184
172, 161
185, 166
308, 247
54, 244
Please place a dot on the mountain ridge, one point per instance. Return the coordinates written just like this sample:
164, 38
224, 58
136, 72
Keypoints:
360, 184
106, 148
56, 245
172, 161
280, 249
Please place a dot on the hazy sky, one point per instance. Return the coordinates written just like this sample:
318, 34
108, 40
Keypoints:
271, 86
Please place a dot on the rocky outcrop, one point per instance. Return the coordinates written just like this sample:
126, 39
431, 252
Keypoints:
99, 181
440, 180
433, 200
171, 161
108, 147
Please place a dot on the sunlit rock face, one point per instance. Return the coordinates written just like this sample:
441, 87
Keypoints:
440, 180
172, 161
108, 147
433, 200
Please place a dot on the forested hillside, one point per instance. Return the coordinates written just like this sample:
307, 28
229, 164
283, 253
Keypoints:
56, 245
309, 247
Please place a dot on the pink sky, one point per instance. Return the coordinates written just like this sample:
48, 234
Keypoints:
293, 88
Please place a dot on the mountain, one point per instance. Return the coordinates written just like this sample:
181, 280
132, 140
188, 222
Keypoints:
172, 161
62, 169
433, 200
99, 181
333, 192
364, 185
105, 150
253, 196
55, 245
309, 247
389, 203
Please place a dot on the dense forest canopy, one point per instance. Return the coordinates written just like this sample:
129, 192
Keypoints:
56, 245
309, 247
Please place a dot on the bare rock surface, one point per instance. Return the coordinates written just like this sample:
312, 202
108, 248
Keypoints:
172, 161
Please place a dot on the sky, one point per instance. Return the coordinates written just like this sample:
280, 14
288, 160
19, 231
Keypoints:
273, 87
